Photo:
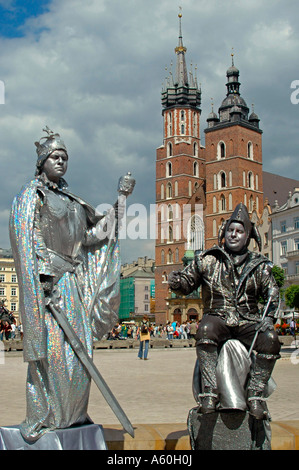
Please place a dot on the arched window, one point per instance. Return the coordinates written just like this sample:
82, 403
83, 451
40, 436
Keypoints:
162, 191
164, 277
176, 255
196, 233
169, 149
195, 169
182, 129
170, 234
250, 180
214, 204
195, 149
170, 212
222, 204
168, 169
176, 188
182, 115
221, 150
162, 257
169, 257
169, 124
214, 228
169, 191
250, 150
222, 179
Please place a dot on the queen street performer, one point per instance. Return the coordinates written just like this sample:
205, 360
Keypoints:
56, 244
233, 279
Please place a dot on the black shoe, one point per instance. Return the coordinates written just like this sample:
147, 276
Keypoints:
257, 406
208, 402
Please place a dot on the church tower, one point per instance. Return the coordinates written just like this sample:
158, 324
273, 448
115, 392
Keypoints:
180, 173
233, 150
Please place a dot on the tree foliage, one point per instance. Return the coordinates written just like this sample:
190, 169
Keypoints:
279, 275
292, 296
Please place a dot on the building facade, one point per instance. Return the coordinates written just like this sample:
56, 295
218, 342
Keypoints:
285, 233
137, 293
9, 289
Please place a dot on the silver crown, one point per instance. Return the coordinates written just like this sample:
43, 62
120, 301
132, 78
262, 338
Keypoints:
51, 142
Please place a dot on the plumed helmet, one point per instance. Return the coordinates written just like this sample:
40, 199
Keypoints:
241, 216
44, 149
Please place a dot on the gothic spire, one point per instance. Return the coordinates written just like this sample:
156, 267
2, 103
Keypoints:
181, 78
177, 89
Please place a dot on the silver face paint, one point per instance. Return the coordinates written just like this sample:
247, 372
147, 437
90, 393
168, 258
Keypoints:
235, 237
55, 165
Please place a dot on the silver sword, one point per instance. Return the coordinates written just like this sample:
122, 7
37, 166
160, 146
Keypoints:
82, 354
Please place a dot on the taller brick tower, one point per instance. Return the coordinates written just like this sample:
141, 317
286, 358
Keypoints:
180, 173
233, 151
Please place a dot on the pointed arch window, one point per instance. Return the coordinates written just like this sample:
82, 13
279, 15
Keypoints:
222, 179
169, 191
221, 150
195, 149
222, 203
169, 149
195, 169
162, 257
168, 169
196, 233
170, 212
169, 257
169, 124
250, 150
250, 180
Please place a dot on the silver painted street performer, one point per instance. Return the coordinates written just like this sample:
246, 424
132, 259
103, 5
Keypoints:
60, 248
233, 279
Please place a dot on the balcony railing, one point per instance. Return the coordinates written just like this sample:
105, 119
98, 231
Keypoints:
292, 254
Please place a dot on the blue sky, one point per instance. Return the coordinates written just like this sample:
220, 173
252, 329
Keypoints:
15, 13
93, 71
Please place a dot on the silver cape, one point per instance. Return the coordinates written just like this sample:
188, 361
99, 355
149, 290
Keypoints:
52, 232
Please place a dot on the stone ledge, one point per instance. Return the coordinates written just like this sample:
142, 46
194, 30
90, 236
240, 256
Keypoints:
285, 436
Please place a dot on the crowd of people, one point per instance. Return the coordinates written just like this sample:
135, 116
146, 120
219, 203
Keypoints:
170, 330
8, 325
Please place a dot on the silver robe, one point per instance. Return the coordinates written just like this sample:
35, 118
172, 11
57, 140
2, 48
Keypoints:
53, 234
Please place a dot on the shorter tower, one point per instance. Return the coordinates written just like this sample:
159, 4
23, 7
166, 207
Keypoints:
233, 150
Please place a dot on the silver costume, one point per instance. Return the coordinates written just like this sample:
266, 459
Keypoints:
232, 282
54, 243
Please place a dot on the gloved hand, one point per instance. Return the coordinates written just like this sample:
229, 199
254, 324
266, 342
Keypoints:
47, 284
174, 280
